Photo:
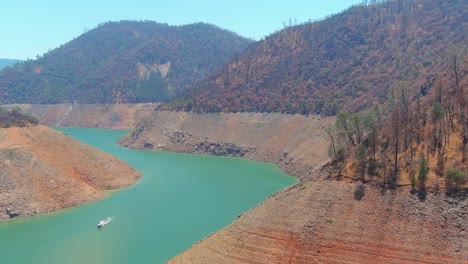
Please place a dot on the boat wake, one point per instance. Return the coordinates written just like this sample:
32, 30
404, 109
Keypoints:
104, 222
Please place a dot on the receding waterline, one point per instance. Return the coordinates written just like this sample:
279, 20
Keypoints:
179, 200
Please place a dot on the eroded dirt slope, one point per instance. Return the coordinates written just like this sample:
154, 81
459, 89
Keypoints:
296, 143
321, 222
42, 170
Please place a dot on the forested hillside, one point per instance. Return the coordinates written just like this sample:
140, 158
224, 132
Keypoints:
7, 62
124, 61
348, 61
416, 138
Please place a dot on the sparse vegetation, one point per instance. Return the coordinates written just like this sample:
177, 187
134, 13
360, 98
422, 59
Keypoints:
16, 117
413, 182
359, 192
422, 173
429, 123
455, 178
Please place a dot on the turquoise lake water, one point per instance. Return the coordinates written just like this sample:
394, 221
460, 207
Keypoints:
179, 200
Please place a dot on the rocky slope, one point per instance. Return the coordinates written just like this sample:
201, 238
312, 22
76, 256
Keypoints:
322, 222
110, 116
294, 142
43, 170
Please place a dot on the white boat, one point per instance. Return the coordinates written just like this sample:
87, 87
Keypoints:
104, 222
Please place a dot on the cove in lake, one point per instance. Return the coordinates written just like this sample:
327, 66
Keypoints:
179, 200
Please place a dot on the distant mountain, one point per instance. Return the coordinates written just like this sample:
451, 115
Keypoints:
7, 62
347, 61
124, 61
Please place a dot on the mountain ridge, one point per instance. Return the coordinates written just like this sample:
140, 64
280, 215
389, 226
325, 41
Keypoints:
7, 62
345, 62
121, 62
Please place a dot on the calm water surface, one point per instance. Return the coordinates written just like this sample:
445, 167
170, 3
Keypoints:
179, 200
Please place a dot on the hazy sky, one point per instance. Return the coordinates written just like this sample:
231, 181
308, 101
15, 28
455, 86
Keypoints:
29, 28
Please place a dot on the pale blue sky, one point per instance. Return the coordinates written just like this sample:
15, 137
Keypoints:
29, 28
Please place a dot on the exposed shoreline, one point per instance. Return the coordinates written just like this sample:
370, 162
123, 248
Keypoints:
295, 143
316, 220
274, 138
109, 116
43, 170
